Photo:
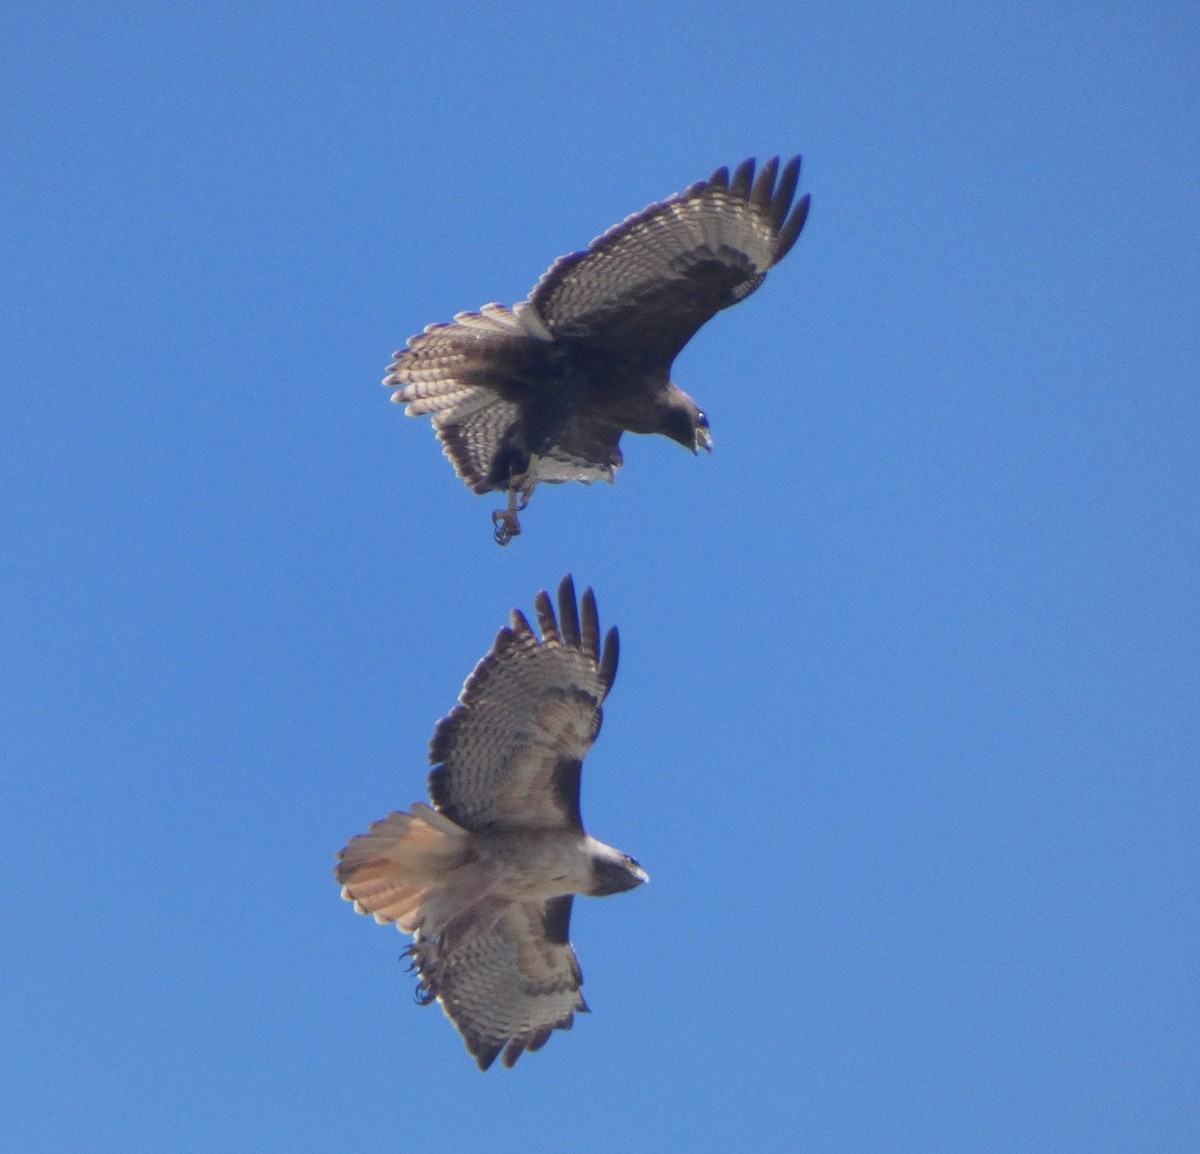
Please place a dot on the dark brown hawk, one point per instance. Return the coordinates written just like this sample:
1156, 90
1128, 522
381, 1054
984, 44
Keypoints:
542, 392
484, 879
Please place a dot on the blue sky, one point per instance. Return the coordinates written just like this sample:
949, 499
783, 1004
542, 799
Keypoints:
905, 730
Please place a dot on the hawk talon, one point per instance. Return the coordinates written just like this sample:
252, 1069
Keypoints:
505, 525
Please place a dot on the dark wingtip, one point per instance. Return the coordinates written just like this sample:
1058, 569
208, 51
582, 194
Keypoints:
589, 624
743, 177
781, 199
519, 627
789, 233
610, 657
568, 612
545, 615
720, 178
764, 184
486, 1055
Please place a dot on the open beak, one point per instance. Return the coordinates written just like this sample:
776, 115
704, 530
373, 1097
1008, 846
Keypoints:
704, 439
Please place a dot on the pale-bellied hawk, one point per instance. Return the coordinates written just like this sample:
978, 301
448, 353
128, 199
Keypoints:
484, 879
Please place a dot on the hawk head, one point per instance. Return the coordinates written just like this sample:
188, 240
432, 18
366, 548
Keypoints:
684, 421
614, 872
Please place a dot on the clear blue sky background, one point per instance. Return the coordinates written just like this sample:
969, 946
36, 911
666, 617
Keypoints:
906, 727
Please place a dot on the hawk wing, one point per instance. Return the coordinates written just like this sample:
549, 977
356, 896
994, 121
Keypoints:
461, 375
646, 286
510, 986
512, 751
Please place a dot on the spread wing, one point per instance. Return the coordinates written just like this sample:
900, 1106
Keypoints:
510, 986
462, 375
512, 751
646, 286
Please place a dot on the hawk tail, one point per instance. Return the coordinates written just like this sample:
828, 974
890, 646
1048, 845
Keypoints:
445, 366
392, 870
464, 376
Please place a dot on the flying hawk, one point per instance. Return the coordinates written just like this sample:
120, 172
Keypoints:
543, 391
484, 879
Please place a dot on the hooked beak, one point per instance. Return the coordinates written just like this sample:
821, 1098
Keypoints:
704, 440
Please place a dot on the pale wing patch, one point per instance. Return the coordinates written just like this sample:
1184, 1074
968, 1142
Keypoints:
562, 730
585, 451
531, 322
545, 964
556, 467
